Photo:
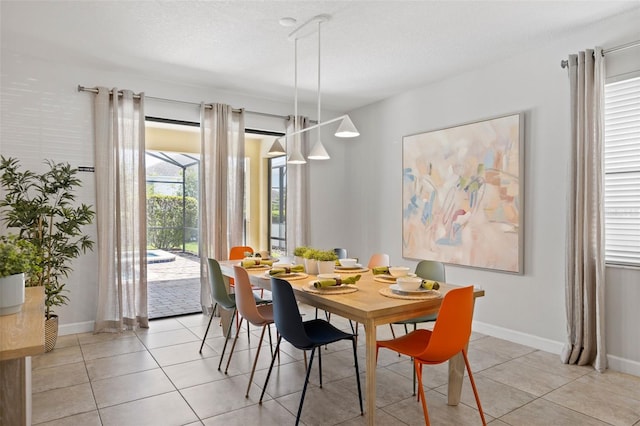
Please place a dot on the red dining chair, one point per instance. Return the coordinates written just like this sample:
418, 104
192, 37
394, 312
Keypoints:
450, 337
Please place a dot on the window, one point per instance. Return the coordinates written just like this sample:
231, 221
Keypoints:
278, 205
622, 172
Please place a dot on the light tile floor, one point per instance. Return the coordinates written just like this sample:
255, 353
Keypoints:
157, 377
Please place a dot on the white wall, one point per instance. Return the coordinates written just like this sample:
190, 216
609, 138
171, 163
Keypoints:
355, 197
43, 116
527, 308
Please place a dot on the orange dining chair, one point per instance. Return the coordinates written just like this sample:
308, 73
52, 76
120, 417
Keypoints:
450, 337
257, 315
428, 270
238, 253
378, 259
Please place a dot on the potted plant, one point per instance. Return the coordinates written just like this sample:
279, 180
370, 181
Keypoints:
310, 261
17, 258
41, 208
298, 254
326, 261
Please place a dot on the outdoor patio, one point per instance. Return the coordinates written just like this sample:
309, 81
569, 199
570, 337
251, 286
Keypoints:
174, 287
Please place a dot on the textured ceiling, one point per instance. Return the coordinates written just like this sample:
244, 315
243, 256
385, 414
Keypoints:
371, 49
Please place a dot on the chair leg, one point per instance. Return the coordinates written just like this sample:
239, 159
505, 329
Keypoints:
235, 340
418, 369
355, 358
414, 381
306, 382
248, 334
208, 325
273, 360
414, 368
320, 365
393, 333
226, 339
473, 385
255, 361
270, 341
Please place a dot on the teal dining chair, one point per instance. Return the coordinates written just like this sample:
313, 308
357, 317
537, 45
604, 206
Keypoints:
223, 299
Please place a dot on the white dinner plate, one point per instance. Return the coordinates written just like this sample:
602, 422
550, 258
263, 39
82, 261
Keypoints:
398, 290
347, 268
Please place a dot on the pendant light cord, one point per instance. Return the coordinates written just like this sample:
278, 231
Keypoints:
319, 55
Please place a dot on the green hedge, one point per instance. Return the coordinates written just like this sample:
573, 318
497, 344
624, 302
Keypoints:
164, 221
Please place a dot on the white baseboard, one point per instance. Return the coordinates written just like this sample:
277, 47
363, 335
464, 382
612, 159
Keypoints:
615, 363
75, 328
541, 343
623, 365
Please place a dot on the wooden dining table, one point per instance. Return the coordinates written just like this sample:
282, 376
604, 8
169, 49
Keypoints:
369, 307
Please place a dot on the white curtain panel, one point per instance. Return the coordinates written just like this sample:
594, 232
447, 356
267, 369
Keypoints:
585, 221
221, 187
297, 189
121, 210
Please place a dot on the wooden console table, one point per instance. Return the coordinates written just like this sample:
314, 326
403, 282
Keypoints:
21, 336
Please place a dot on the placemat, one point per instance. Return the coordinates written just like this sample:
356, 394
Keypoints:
289, 277
387, 279
340, 289
432, 294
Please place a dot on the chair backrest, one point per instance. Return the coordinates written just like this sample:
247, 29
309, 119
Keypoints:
237, 252
452, 330
286, 314
378, 259
245, 302
218, 289
340, 252
431, 270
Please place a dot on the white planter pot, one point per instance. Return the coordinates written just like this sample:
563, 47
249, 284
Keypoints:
299, 260
326, 267
11, 294
311, 266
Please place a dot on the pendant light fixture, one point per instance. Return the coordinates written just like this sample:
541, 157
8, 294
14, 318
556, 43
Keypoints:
346, 129
296, 156
276, 149
318, 152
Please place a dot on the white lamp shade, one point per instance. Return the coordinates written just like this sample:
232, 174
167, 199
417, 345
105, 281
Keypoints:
347, 129
296, 158
318, 152
276, 149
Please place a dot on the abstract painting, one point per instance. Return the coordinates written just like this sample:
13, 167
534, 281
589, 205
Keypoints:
462, 194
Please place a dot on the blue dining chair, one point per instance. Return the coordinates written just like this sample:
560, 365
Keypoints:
340, 252
307, 335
